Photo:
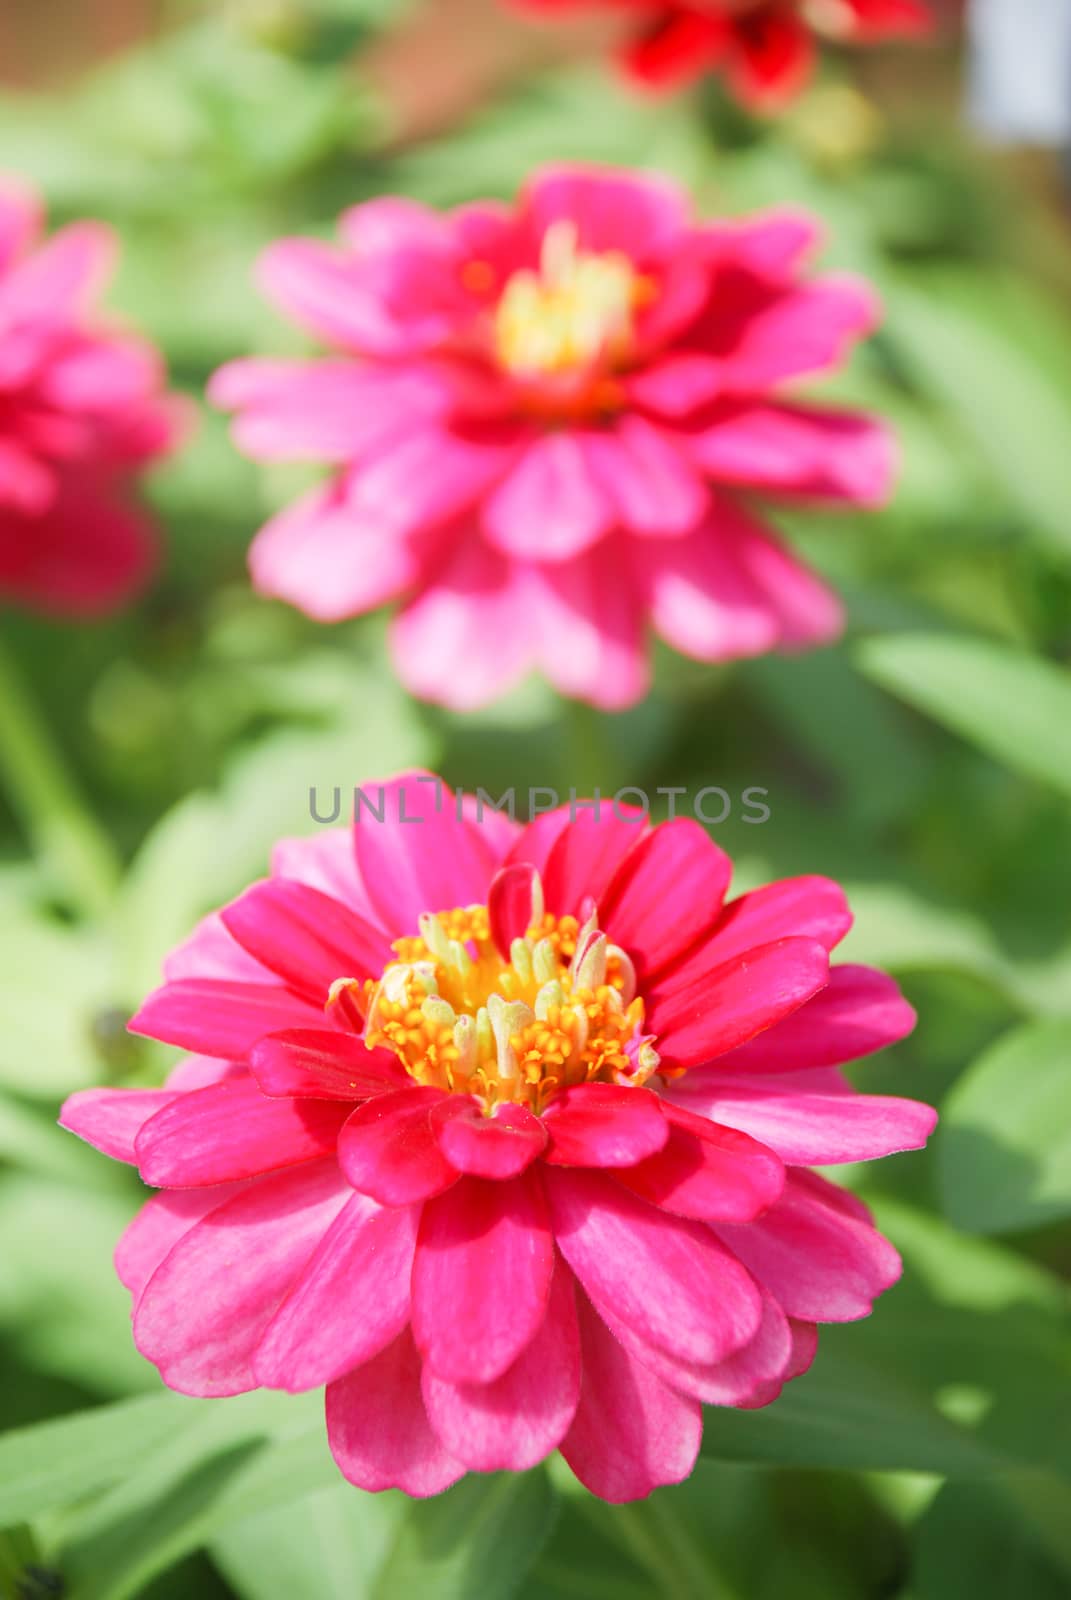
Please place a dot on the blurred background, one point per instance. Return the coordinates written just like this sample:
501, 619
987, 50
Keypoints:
925, 762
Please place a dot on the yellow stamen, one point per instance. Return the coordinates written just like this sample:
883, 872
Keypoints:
577, 312
561, 1010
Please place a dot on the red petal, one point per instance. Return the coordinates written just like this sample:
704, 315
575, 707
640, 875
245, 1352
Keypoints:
725, 1005
604, 1125
307, 937
351, 1300
216, 1017
510, 906
666, 894
500, 1146
324, 1064
233, 1131
708, 1172
485, 1256
388, 1148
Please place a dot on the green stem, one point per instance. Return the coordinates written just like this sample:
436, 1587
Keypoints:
66, 838
665, 1545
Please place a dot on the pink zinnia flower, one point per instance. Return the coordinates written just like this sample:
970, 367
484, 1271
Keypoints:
765, 48
503, 1135
549, 426
82, 410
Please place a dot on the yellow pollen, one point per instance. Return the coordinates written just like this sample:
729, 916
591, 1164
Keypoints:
461, 1017
577, 312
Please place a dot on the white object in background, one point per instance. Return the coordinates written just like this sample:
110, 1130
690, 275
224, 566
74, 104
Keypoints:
1020, 70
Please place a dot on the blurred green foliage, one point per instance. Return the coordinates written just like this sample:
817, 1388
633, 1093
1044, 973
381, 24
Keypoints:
925, 762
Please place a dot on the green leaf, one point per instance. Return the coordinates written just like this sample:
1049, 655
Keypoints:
329, 1544
1004, 1147
55, 1463
976, 1543
238, 1457
997, 358
479, 1538
1011, 705
849, 1414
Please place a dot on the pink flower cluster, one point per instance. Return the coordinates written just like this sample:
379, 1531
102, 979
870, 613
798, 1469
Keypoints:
504, 1135
550, 425
82, 411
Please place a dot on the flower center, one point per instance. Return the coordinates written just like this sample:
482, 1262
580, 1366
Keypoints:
577, 311
561, 1010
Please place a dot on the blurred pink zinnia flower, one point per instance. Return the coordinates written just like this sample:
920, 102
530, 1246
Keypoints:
503, 1134
82, 410
549, 424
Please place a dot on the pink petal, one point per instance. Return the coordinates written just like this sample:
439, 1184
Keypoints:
676, 384
702, 598
664, 1277
160, 1224
307, 938
709, 1008
330, 560
549, 507
708, 1172
420, 857
468, 633
861, 1010
806, 1129
594, 840
641, 214
650, 481
362, 305
539, 836
589, 621
809, 614
350, 1302
335, 411
21, 216
324, 1064
517, 1419
486, 1252
204, 1310
666, 893
378, 1429
62, 277
758, 1369
500, 830
110, 1119
820, 1261
631, 1433
233, 1131
327, 861
809, 907
772, 244
211, 952
430, 476
604, 1125
27, 485
807, 328
388, 1149
500, 1146
798, 450
85, 556
200, 1072
217, 1018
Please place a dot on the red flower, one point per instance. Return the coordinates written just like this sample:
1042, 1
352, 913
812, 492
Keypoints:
764, 47
504, 1136
82, 410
